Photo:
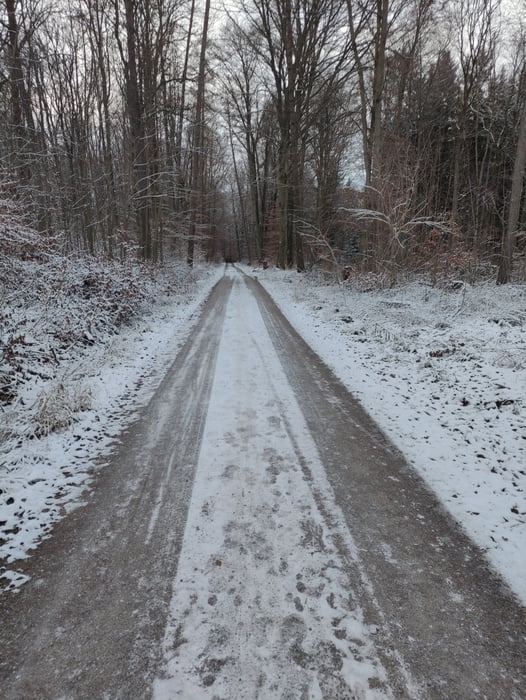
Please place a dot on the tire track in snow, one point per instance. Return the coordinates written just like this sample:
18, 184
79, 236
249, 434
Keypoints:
89, 623
262, 605
440, 606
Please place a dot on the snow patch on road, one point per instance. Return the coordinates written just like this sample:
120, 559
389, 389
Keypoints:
263, 605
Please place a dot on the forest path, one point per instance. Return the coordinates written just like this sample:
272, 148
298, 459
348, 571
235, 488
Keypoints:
256, 536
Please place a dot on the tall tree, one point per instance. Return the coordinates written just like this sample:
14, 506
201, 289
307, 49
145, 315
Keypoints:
517, 181
98, 28
130, 52
474, 21
246, 100
23, 21
300, 42
198, 144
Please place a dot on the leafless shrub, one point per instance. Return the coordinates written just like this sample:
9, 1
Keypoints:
51, 302
58, 406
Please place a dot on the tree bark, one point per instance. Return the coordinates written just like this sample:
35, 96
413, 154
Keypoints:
180, 175
196, 194
16, 84
375, 131
510, 235
137, 133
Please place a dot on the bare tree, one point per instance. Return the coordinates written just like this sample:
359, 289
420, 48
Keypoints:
299, 42
474, 21
246, 101
517, 181
198, 144
95, 17
374, 29
24, 20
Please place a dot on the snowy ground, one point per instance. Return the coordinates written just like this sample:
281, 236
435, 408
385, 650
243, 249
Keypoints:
443, 372
99, 387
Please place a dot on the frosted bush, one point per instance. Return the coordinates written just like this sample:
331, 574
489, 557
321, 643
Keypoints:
58, 405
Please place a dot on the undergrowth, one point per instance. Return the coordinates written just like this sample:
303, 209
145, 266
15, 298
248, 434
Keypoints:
54, 305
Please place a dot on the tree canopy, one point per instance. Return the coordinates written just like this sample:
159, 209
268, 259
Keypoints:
177, 128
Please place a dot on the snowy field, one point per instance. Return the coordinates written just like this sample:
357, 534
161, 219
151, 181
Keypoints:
443, 372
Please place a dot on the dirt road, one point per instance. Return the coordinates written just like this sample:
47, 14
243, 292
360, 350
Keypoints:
255, 536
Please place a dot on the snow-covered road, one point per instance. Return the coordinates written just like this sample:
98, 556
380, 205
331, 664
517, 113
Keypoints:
89, 622
255, 535
263, 604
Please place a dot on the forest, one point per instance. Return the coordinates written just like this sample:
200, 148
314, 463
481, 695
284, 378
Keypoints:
286, 445
382, 136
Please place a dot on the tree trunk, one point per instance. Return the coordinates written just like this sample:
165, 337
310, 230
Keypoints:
196, 194
180, 177
375, 131
510, 235
137, 135
16, 80
360, 71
